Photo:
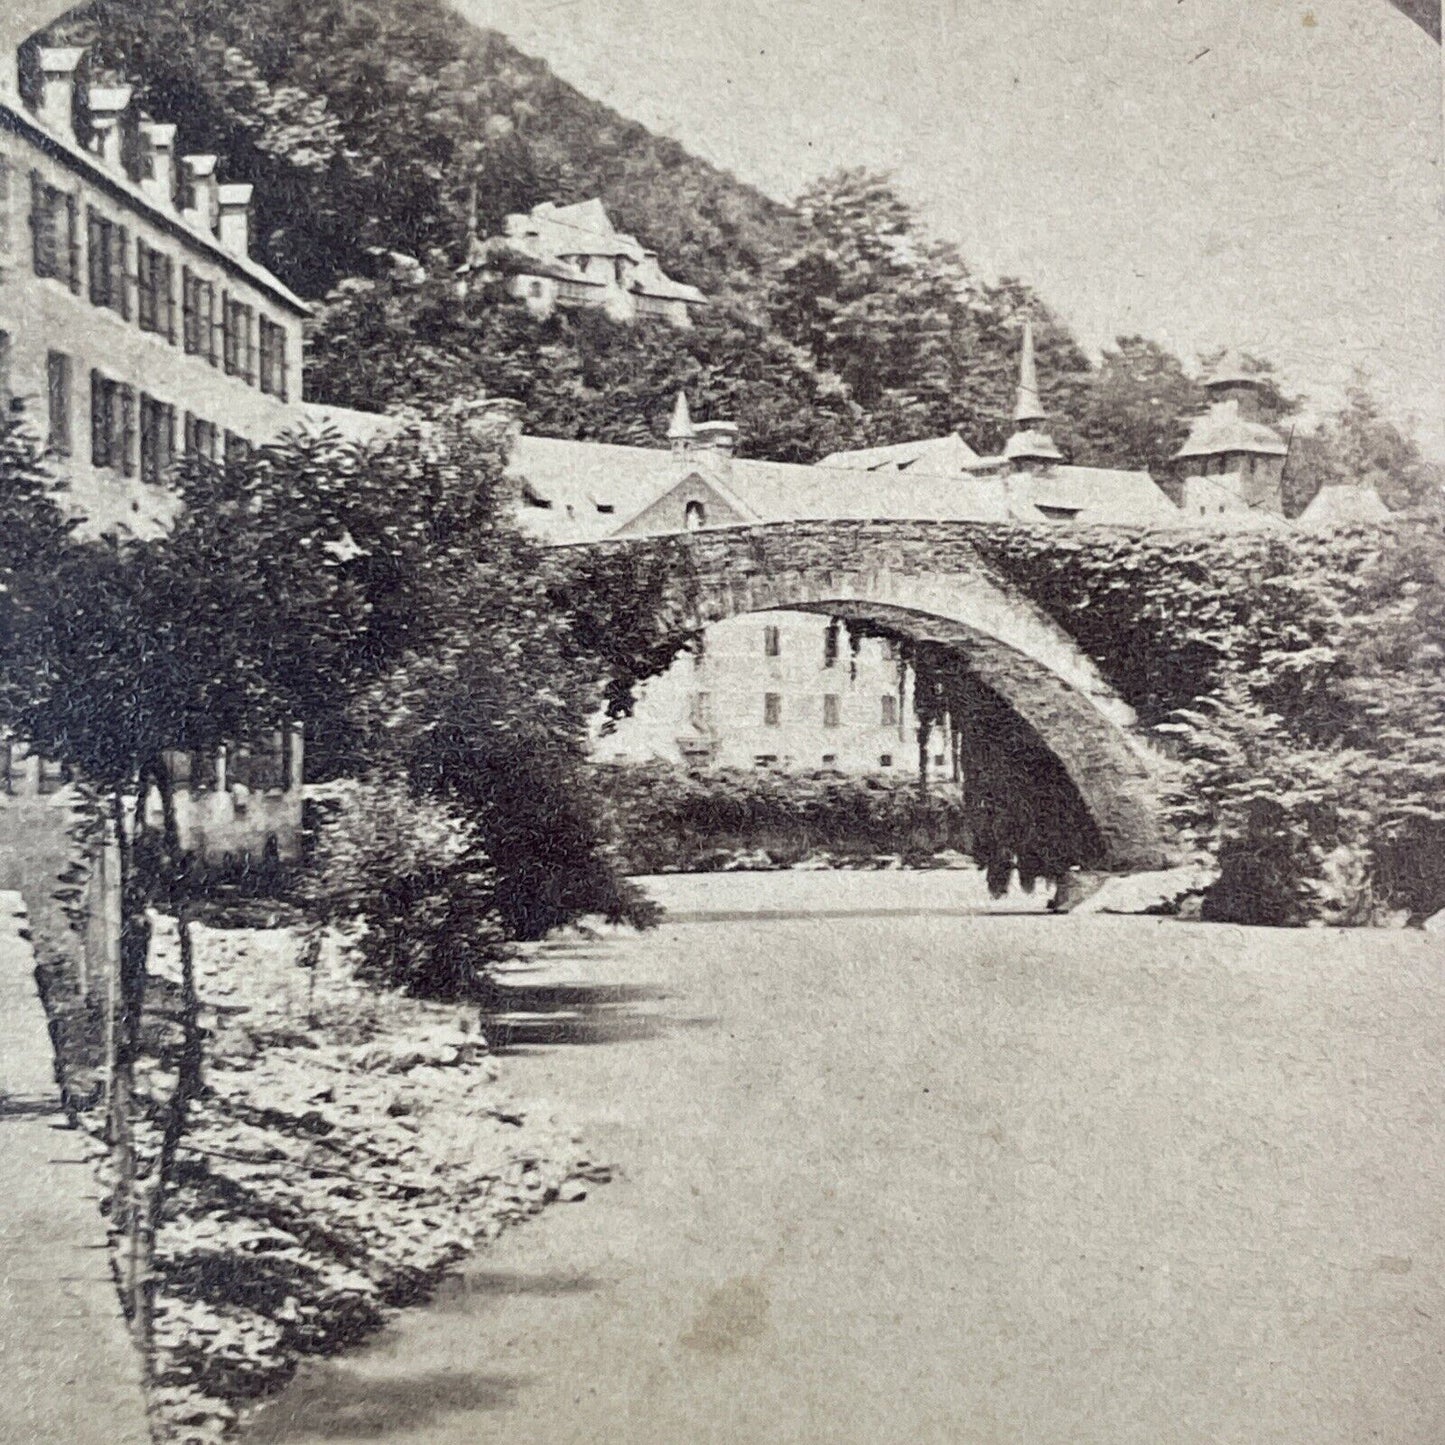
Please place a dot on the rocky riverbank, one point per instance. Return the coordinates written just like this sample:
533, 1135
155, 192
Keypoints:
351, 1147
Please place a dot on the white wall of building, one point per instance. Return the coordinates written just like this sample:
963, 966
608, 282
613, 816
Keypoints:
45, 315
715, 708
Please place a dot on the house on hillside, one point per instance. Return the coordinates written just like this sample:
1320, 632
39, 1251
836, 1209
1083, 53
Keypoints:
572, 256
135, 328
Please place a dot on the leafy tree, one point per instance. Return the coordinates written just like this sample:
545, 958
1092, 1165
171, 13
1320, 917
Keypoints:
1360, 446
1134, 410
400, 341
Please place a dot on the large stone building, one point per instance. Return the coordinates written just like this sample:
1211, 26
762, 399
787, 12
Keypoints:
136, 327
572, 256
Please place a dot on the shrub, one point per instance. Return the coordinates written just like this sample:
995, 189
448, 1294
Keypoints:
412, 873
670, 819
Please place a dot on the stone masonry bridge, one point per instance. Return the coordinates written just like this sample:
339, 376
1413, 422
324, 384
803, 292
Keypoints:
926, 580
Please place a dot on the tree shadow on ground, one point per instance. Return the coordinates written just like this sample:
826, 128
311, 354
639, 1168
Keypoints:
331, 1403
468, 1290
523, 1015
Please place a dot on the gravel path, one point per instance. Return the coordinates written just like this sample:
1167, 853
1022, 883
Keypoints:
950, 1178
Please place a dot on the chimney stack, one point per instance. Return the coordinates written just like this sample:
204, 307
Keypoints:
57, 89
234, 227
158, 162
201, 192
107, 113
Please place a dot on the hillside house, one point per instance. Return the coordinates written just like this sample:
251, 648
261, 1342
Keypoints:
572, 256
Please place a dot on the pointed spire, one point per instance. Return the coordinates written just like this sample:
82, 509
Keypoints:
680, 428
1029, 408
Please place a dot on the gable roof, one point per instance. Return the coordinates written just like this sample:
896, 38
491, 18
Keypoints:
937, 455
1344, 504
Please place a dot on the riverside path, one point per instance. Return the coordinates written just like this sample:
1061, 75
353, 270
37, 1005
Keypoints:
71, 1375
891, 1173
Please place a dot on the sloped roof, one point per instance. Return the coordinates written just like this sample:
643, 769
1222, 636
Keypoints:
1344, 504
581, 229
577, 479
649, 281
1031, 444
523, 255
1098, 494
1230, 370
1223, 429
940, 456
360, 427
593, 489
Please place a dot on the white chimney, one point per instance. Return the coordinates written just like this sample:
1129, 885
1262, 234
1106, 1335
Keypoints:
57, 88
158, 162
201, 188
107, 114
234, 230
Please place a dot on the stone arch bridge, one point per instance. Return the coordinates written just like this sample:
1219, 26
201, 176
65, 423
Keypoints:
927, 581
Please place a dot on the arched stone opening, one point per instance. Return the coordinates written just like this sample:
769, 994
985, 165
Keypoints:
1021, 661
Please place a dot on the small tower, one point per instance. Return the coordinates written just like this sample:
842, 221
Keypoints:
680, 430
1232, 441
1030, 446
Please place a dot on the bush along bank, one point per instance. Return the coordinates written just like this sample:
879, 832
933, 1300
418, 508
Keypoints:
670, 819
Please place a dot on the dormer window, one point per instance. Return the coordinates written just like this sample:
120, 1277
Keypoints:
606, 508
534, 498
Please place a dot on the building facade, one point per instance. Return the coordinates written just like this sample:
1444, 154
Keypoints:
135, 329
134, 324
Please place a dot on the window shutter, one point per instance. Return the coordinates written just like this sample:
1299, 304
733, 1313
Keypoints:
281, 360
127, 430
120, 279
95, 257
169, 275
37, 222
72, 237
7, 206
99, 432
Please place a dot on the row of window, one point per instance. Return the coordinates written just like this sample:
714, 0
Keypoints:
701, 709
773, 645
830, 760
217, 327
131, 430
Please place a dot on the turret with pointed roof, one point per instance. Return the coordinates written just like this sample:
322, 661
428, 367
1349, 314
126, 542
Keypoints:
1232, 441
1030, 443
679, 429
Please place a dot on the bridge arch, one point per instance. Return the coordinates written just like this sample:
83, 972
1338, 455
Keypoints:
926, 582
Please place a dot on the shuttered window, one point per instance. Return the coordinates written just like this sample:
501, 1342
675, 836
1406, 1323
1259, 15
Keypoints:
157, 438
155, 291
55, 232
